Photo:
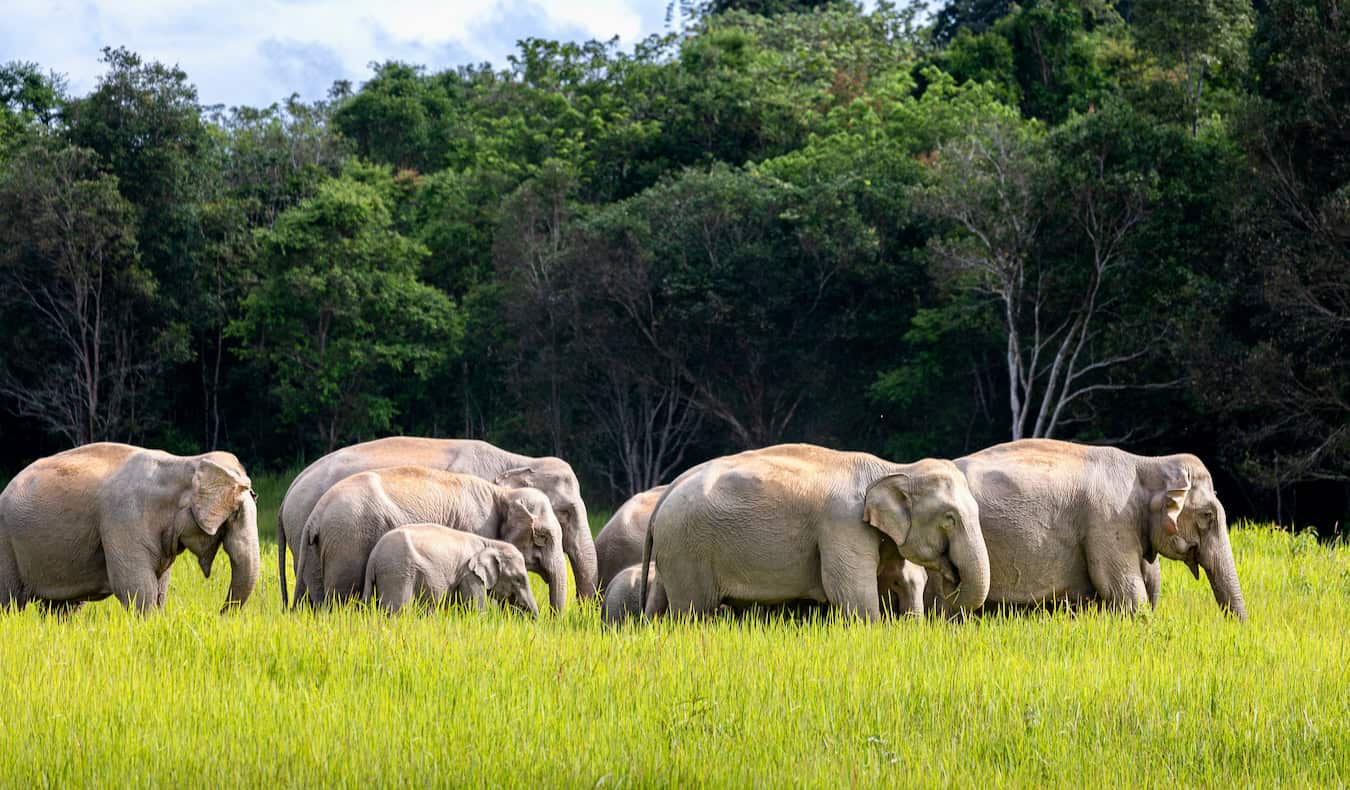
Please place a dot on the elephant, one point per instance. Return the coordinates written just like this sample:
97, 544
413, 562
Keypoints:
1074, 523
806, 522
553, 476
109, 519
619, 543
443, 566
900, 583
349, 519
623, 593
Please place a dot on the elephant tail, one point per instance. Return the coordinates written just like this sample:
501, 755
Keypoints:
281, 556
368, 589
644, 587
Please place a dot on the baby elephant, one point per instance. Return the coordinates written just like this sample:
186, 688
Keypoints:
443, 565
623, 594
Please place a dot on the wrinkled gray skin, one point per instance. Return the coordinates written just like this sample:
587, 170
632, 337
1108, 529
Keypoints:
623, 593
553, 476
619, 543
109, 519
618, 547
805, 522
1075, 523
348, 521
444, 566
900, 583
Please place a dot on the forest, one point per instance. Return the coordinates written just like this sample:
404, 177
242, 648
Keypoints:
911, 230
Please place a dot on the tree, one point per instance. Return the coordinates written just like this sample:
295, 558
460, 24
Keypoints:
723, 281
1294, 429
765, 7
68, 251
1199, 35
29, 99
529, 253
339, 323
399, 117
994, 189
145, 124
974, 16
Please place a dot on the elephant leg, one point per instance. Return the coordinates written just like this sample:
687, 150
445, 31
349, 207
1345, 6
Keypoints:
656, 604
469, 593
1120, 586
394, 593
164, 587
61, 610
135, 586
1152, 573
343, 581
309, 577
11, 588
694, 591
848, 575
934, 605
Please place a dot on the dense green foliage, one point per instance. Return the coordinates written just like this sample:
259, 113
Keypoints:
911, 234
1181, 695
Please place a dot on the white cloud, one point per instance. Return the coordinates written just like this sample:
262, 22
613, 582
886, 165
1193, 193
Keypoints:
258, 51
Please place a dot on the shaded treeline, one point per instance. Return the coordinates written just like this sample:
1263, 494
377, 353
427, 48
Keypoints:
911, 234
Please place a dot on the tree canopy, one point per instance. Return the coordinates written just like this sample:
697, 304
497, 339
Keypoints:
914, 234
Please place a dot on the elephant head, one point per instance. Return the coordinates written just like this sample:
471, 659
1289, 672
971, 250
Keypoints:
502, 573
930, 513
220, 502
530, 525
555, 478
1188, 523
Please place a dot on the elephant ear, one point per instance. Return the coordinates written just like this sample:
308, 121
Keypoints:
519, 477
886, 506
215, 494
1167, 504
520, 507
486, 565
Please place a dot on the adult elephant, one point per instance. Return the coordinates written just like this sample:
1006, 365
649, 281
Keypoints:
1071, 522
805, 522
351, 518
553, 476
109, 519
619, 543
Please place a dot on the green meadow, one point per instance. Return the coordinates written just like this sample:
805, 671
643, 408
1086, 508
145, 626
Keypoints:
1180, 696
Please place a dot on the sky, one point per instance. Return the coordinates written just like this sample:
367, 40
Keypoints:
255, 52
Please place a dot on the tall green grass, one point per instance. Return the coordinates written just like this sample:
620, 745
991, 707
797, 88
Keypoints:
1179, 696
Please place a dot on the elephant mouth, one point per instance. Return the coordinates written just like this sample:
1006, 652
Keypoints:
1192, 560
948, 571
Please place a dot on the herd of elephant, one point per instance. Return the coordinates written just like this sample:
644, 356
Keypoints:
1026, 523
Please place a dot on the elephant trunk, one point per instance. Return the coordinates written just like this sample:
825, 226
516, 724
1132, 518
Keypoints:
1215, 555
525, 604
580, 550
241, 546
555, 575
968, 554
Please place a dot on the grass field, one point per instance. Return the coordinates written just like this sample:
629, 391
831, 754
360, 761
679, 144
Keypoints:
1182, 696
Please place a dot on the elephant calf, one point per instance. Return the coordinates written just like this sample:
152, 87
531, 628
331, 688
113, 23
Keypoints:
442, 566
900, 583
623, 593
619, 543
109, 519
